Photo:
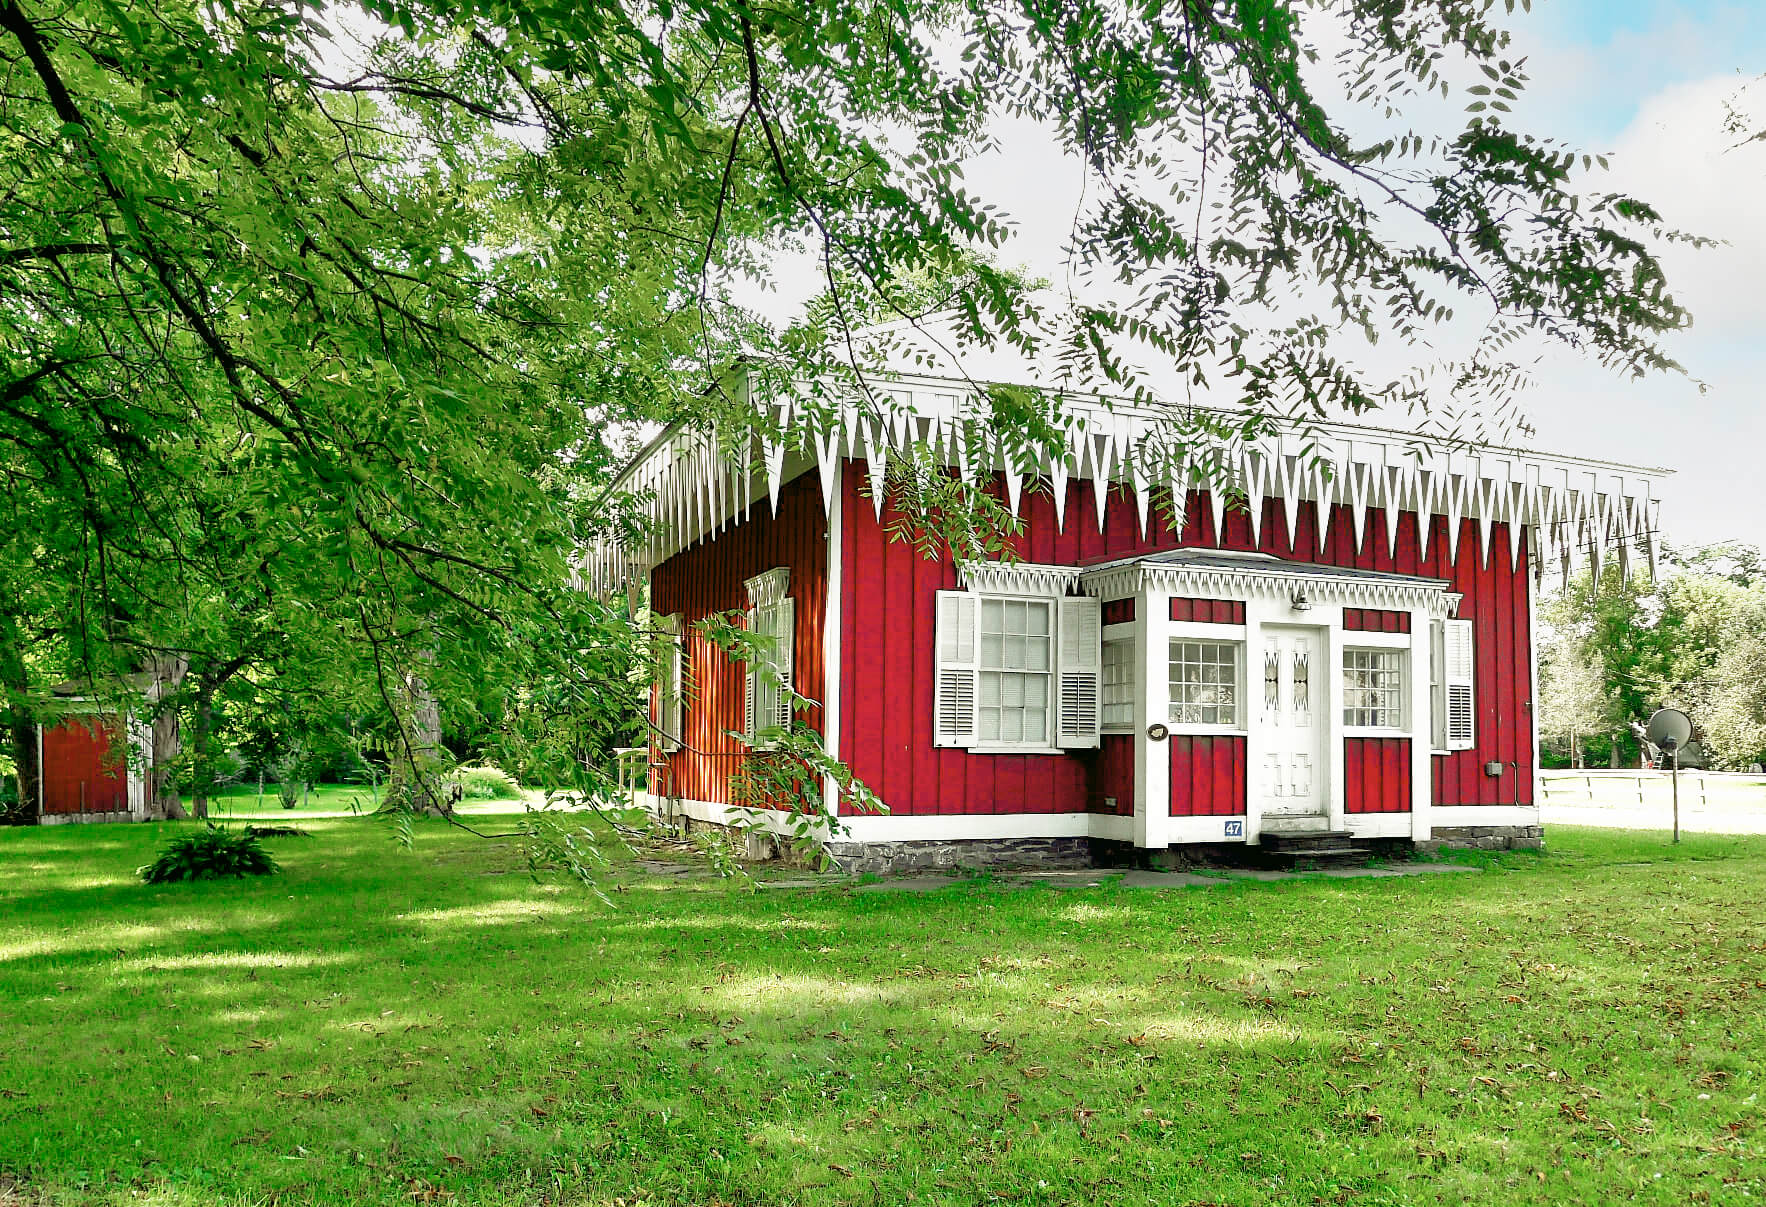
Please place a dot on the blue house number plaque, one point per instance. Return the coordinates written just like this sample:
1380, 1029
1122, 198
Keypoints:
1235, 829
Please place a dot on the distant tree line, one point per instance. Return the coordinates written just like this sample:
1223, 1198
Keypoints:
1614, 650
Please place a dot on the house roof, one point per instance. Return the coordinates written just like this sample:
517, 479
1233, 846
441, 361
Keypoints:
693, 483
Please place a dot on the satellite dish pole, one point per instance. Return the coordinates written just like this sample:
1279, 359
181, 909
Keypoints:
1670, 729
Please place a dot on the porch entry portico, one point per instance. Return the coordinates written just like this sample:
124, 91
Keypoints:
1250, 675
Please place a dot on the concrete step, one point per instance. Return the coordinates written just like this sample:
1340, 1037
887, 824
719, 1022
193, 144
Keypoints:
1298, 823
1307, 840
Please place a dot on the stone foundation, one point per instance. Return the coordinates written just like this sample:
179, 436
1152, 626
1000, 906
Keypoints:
930, 855
1489, 838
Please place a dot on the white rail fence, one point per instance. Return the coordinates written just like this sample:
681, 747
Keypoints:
1704, 788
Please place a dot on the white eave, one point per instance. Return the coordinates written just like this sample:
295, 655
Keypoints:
691, 486
1229, 574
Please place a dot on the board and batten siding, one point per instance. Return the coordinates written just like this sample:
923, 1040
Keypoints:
1207, 775
81, 770
1111, 774
888, 610
1376, 775
711, 577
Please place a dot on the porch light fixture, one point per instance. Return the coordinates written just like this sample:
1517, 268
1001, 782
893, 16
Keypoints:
1301, 603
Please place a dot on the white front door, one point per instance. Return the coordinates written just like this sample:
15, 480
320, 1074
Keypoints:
1288, 686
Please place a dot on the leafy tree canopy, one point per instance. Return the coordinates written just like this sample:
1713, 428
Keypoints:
320, 324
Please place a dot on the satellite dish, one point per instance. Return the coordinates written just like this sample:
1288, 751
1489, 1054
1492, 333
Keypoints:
1669, 728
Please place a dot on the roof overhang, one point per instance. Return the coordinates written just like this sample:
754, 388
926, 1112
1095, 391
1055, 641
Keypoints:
692, 483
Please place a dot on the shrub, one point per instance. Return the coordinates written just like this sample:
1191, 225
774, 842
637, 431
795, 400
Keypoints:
486, 783
210, 855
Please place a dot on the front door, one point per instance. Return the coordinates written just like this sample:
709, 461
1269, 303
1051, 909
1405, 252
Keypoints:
1291, 726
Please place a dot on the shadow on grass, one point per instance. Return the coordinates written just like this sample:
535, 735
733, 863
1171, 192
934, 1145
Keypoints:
381, 1025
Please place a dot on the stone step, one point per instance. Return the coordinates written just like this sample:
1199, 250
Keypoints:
1299, 823
1310, 840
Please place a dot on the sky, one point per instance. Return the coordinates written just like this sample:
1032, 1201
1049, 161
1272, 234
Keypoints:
1646, 83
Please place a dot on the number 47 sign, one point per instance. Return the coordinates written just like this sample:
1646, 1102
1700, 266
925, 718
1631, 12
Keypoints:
1235, 828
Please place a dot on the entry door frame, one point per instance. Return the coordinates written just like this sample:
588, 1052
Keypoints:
1326, 774
1327, 689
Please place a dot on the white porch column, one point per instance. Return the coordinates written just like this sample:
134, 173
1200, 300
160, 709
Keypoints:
1259, 611
1422, 725
1328, 712
1152, 706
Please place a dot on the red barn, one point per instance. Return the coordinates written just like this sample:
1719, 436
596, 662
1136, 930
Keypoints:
1327, 632
87, 769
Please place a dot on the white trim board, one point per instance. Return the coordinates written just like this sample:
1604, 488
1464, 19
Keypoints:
1378, 825
1484, 815
1174, 831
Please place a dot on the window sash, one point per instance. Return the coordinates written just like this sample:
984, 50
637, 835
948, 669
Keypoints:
1117, 684
1373, 688
1204, 678
1015, 655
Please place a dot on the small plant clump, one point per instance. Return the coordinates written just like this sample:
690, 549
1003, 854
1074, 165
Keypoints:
210, 854
486, 783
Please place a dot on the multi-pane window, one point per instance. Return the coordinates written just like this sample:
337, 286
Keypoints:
1204, 682
1118, 685
1015, 670
1373, 688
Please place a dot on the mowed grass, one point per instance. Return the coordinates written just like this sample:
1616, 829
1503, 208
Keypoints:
388, 1026
324, 800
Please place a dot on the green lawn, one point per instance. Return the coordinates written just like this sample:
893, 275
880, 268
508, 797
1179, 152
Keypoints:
388, 1026
324, 800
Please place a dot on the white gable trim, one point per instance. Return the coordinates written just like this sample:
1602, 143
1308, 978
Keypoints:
691, 483
1018, 578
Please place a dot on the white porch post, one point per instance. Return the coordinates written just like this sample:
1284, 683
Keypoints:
1329, 712
1259, 611
1152, 706
1422, 725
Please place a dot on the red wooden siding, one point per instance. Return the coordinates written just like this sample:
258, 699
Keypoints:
1376, 775
1375, 620
1112, 775
1208, 611
1207, 775
1118, 611
710, 577
81, 774
887, 630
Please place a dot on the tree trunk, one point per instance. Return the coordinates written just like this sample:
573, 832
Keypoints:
162, 798
415, 777
203, 777
21, 726
1613, 755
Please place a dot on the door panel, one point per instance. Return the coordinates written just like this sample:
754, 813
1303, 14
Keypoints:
1291, 722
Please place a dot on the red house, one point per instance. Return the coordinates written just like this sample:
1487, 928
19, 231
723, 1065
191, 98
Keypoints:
1346, 650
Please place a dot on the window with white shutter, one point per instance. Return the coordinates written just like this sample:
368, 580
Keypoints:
1016, 673
1453, 693
1081, 657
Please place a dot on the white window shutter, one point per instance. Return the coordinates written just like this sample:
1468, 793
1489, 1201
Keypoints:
671, 690
1081, 665
750, 684
784, 632
1437, 685
1458, 666
954, 670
